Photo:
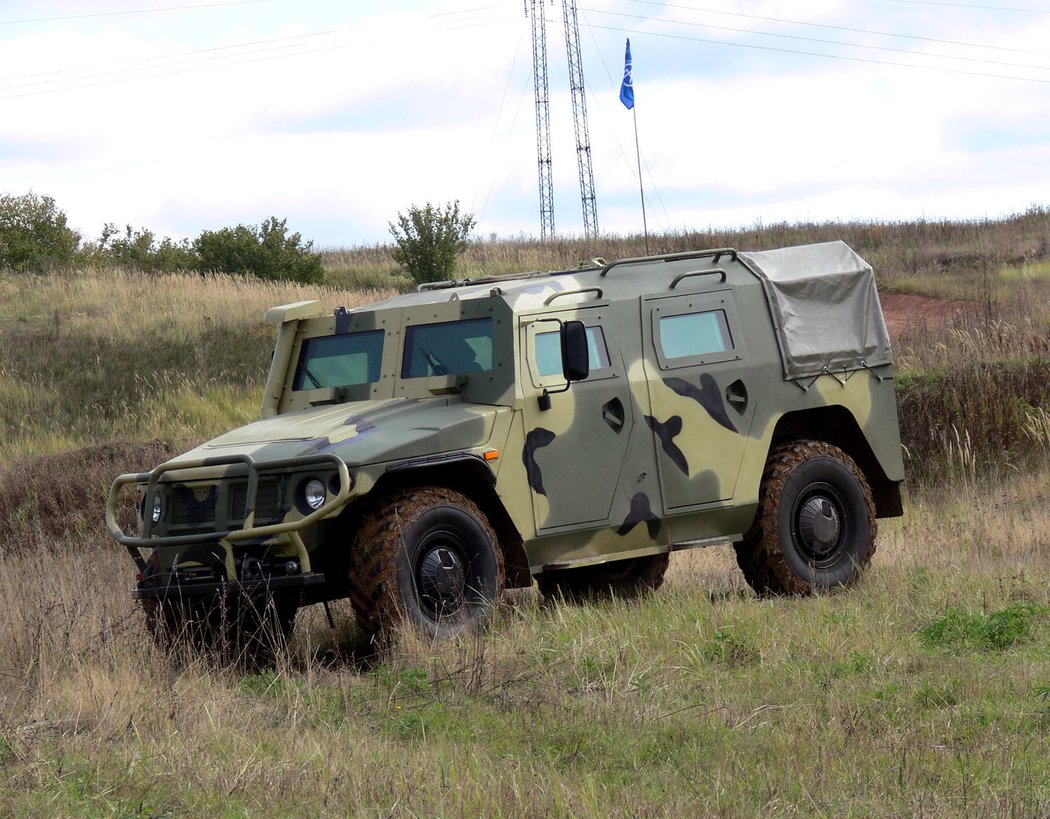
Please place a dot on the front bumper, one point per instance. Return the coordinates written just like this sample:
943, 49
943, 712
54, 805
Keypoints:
282, 533
175, 590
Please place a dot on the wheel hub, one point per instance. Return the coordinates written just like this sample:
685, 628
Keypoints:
442, 579
819, 525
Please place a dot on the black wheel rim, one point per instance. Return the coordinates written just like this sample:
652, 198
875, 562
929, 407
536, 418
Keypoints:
820, 525
441, 574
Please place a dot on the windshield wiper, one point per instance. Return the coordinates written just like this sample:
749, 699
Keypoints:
436, 364
313, 378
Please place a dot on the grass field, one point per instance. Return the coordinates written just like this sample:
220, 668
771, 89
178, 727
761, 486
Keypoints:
924, 690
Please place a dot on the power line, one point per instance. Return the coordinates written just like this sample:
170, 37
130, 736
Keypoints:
841, 28
129, 11
171, 73
826, 42
597, 100
463, 11
199, 59
103, 68
965, 6
839, 57
495, 126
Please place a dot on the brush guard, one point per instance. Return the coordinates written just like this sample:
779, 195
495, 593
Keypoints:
282, 533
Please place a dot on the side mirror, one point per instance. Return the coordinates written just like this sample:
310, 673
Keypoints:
575, 358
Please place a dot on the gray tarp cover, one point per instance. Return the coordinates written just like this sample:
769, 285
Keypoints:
825, 306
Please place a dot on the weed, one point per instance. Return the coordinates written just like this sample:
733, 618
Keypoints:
993, 632
405, 681
267, 683
886, 692
935, 695
731, 649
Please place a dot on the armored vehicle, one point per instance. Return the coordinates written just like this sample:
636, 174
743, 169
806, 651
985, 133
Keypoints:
421, 454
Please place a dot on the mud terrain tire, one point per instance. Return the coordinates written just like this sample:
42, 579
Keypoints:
815, 526
624, 579
429, 558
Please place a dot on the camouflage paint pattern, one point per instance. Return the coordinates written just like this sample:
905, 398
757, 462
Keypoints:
648, 453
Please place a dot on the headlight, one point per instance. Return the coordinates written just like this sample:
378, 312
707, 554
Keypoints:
156, 508
314, 493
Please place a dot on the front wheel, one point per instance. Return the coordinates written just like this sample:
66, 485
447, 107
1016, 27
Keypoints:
427, 557
815, 526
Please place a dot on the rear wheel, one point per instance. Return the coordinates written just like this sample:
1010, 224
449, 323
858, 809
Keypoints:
815, 526
625, 579
426, 557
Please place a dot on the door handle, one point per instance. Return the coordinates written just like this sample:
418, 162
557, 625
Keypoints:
736, 395
612, 414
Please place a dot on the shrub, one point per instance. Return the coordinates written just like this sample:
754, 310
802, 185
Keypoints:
266, 251
34, 236
140, 250
429, 239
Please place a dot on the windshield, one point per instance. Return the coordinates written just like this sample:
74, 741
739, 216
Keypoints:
339, 361
448, 348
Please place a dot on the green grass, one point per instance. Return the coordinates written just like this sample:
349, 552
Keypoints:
1034, 271
997, 630
683, 704
924, 690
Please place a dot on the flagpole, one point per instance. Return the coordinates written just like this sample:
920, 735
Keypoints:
627, 98
641, 190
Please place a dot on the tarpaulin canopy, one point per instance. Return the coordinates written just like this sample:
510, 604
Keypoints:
825, 307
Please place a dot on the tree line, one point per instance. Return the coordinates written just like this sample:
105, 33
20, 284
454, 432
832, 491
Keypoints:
35, 238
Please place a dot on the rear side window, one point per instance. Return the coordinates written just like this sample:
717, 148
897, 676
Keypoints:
339, 361
694, 334
448, 348
548, 351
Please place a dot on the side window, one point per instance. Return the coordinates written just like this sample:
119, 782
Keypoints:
339, 361
447, 348
695, 334
548, 351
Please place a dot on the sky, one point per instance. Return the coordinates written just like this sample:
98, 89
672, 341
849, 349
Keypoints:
187, 115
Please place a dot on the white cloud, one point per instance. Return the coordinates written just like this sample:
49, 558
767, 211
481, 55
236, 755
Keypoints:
338, 119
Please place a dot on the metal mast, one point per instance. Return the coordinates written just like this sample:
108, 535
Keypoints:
579, 118
543, 119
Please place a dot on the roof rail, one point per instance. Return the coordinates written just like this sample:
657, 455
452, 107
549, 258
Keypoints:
675, 257
506, 277
441, 285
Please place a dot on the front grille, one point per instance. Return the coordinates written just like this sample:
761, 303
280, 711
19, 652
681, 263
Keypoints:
222, 505
267, 500
193, 506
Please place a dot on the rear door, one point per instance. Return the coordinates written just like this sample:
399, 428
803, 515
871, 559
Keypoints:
700, 398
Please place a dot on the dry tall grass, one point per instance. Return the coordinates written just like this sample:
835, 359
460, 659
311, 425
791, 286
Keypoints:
95, 356
924, 690
701, 700
959, 257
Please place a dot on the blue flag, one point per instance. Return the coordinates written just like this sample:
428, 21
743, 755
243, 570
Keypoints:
627, 86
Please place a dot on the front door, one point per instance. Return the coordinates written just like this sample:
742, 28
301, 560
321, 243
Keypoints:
574, 451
